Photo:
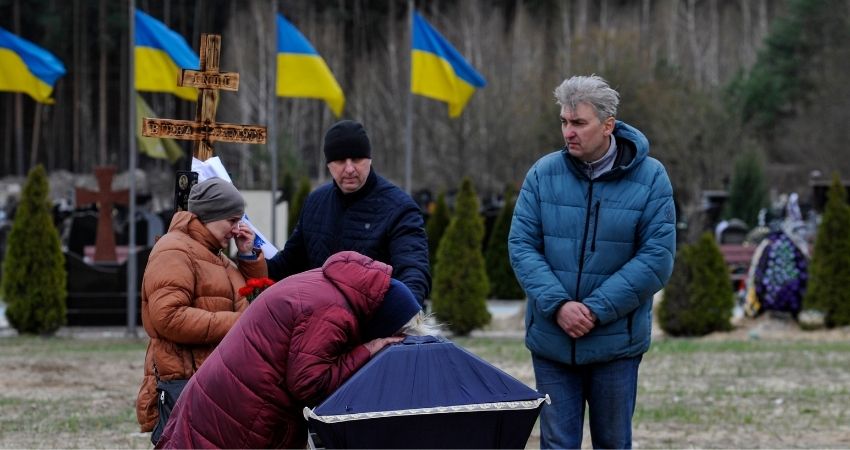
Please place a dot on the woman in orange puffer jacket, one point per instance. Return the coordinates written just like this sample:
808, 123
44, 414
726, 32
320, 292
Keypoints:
189, 289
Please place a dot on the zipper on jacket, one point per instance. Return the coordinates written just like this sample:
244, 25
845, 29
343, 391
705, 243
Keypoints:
631, 317
581, 256
595, 226
584, 238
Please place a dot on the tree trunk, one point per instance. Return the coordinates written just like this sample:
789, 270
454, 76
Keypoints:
762, 27
36, 131
76, 88
581, 20
647, 49
8, 125
566, 37
747, 45
696, 56
673, 32
87, 144
19, 98
713, 57
102, 88
605, 51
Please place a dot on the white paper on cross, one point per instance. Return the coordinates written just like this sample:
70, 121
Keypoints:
213, 168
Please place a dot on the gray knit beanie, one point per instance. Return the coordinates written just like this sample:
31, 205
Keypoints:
215, 199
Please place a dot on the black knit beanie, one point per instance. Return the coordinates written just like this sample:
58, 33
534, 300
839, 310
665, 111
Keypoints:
347, 139
397, 308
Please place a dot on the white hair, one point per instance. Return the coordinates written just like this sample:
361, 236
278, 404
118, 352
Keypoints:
421, 325
593, 90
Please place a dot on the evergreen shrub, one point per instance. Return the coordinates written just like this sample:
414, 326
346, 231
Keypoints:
829, 271
698, 299
748, 192
436, 226
459, 296
503, 282
297, 203
34, 279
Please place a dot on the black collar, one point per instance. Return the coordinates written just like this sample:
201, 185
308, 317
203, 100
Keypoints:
364, 190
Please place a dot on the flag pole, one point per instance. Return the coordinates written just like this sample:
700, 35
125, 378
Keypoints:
271, 141
408, 127
131, 244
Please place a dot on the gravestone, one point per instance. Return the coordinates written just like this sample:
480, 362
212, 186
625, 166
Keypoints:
82, 231
820, 188
97, 293
732, 232
105, 199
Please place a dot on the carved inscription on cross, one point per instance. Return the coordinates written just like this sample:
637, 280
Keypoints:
204, 130
105, 198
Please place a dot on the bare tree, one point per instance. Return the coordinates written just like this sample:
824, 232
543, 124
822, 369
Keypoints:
645, 41
748, 55
566, 36
697, 56
581, 17
102, 112
672, 32
713, 51
19, 99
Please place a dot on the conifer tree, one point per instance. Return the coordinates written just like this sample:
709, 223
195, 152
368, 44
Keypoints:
503, 282
459, 297
34, 278
829, 272
436, 226
298, 203
698, 299
748, 193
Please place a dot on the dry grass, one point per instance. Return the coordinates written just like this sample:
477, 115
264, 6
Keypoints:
764, 385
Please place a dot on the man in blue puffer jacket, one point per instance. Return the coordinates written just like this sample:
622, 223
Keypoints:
592, 239
360, 211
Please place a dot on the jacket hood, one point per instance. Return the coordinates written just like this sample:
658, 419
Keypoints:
632, 149
189, 223
362, 280
633, 136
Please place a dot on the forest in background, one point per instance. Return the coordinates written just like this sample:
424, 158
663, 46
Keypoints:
705, 80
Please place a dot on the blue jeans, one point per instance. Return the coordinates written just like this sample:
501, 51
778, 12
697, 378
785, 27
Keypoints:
608, 389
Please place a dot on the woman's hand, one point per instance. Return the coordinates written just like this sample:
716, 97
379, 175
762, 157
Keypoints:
375, 345
244, 239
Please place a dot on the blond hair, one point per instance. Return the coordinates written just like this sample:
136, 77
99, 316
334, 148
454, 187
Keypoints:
421, 325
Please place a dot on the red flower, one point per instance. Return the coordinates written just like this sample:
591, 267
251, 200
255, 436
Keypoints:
254, 286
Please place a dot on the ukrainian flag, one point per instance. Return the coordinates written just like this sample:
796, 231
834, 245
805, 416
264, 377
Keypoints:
28, 68
438, 71
301, 72
154, 147
160, 55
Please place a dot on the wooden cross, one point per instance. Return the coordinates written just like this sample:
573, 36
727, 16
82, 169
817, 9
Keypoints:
105, 198
204, 130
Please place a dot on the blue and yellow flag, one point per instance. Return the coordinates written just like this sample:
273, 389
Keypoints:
161, 53
438, 71
301, 72
28, 68
154, 147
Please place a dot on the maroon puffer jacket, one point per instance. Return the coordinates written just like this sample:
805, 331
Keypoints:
295, 345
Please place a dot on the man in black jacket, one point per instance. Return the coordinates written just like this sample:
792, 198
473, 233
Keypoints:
361, 211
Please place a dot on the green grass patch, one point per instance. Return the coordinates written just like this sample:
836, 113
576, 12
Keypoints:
685, 345
34, 345
496, 349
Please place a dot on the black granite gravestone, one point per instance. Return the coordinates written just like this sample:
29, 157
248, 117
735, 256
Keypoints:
97, 293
